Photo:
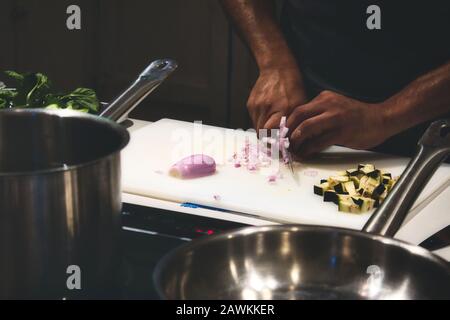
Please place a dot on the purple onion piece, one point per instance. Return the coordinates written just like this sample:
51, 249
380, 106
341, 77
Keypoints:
194, 166
284, 140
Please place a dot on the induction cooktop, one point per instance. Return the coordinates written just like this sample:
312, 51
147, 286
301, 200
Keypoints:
148, 234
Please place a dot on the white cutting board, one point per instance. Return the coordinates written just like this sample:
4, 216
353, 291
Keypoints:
154, 147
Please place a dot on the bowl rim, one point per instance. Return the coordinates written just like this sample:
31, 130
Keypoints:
386, 241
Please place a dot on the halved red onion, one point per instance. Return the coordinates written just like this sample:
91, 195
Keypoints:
194, 166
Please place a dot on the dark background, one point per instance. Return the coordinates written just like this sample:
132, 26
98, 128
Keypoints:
120, 38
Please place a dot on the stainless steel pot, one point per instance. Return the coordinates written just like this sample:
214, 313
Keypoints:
311, 262
60, 195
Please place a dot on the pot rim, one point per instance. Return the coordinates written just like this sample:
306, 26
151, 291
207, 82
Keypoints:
64, 113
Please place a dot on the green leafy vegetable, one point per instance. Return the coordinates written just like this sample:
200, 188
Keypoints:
33, 90
16, 76
41, 89
82, 99
3, 103
6, 96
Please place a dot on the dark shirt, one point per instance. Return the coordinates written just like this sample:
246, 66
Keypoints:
336, 50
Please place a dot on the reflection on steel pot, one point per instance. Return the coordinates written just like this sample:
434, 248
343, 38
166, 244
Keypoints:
311, 262
60, 196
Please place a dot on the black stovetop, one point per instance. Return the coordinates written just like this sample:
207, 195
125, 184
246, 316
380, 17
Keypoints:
151, 233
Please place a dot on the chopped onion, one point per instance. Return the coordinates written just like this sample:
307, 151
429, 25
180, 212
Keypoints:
284, 140
274, 177
194, 166
256, 156
252, 156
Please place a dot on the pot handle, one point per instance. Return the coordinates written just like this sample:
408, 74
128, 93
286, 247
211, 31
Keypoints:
433, 149
146, 83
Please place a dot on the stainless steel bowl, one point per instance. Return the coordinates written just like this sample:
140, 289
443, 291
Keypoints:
301, 262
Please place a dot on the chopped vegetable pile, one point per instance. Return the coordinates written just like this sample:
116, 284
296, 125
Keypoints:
356, 190
252, 156
256, 156
34, 90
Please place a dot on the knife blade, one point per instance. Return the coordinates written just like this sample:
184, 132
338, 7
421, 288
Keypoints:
439, 240
291, 166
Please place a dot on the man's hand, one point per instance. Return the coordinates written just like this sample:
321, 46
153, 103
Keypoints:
277, 93
332, 119
279, 88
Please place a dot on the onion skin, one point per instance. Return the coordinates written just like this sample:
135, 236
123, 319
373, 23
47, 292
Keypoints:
195, 166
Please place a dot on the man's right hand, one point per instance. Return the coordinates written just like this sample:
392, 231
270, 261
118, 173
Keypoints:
277, 92
279, 88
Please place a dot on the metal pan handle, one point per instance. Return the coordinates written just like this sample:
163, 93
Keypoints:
433, 149
148, 81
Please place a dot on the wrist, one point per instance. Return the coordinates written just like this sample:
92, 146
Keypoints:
276, 57
389, 122
282, 70
269, 63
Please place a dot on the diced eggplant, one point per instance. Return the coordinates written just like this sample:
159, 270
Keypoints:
352, 172
383, 196
372, 182
387, 174
344, 197
369, 187
367, 168
350, 187
375, 174
320, 189
356, 190
368, 191
339, 188
377, 203
368, 204
339, 179
355, 205
378, 191
363, 182
330, 196
392, 183
355, 181
348, 206
385, 180
358, 201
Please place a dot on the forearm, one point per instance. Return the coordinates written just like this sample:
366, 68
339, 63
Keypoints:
257, 25
424, 99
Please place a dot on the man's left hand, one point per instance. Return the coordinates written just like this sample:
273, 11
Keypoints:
333, 119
